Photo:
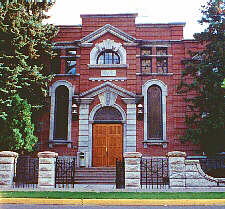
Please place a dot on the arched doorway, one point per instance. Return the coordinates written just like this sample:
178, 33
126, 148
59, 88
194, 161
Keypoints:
107, 137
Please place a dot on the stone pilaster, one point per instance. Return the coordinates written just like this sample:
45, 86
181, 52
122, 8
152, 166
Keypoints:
83, 141
46, 175
132, 170
177, 169
131, 124
7, 168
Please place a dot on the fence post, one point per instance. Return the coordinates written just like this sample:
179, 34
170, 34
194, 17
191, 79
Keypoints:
132, 170
46, 175
177, 169
7, 168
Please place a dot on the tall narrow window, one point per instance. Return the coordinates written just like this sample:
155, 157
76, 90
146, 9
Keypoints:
146, 60
61, 113
154, 120
56, 63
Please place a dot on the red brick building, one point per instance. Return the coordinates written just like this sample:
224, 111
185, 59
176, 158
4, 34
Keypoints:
115, 89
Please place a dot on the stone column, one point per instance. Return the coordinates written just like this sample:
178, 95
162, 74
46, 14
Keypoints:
131, 124
132, 170
7, 168
177, 169
83, 141
46, 175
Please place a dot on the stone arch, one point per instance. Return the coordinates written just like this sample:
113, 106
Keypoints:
52, 94
164, 90
110, 45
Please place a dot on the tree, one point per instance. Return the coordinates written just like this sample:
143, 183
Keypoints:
206, 119
25, 46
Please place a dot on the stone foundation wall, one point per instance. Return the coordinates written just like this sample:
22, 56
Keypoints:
188, 173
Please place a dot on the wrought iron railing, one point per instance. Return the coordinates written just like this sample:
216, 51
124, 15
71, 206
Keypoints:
26, 172
120, 174
65, 172
154, 172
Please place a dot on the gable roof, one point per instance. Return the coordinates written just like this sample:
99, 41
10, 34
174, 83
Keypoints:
105, 29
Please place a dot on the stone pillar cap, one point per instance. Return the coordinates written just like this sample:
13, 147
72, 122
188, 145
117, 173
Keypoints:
176, 154
8, 154
47, 154
132, 155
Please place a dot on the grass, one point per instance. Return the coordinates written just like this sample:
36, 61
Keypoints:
114, 195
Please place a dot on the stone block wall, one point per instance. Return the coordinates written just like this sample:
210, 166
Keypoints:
188, 173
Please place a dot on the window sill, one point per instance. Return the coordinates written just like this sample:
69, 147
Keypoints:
61, 142
108, 65
67, 74
156, 74
152, 142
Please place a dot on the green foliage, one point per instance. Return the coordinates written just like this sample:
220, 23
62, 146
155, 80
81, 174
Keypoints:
206, 119
25, 47
16, 132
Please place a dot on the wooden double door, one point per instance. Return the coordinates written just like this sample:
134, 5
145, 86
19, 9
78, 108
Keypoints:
107, 144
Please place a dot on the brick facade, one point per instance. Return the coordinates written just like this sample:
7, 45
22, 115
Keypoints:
124, 81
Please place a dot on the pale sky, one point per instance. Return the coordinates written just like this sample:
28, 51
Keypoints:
67, 12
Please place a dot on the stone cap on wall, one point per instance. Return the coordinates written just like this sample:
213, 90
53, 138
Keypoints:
176, 154
8, 154
47, 154
132, 155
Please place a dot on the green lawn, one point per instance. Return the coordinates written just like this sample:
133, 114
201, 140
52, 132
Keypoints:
115, 195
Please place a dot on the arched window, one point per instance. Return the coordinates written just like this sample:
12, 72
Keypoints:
108, 57
108, 114
154, 108
61, 113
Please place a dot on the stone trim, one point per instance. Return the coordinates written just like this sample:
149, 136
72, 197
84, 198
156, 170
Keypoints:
108, 65
164, 89
116, 79
105, 29
52, 90
109, 87
111, 45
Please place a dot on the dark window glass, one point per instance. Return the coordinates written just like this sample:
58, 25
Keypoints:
146, 51
146, 65
162, 65
56, 63
161, 51
107, 113
154, 113
61, 112
108, 57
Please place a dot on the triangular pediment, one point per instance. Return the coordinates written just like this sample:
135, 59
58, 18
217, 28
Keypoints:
109, 87
107, 29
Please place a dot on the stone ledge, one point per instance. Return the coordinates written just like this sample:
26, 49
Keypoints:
176, 154
8, 154
132, 155
47, 154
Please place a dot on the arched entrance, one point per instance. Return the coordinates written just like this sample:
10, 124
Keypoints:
107, 137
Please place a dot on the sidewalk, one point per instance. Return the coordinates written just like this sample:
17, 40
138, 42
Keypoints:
112, 188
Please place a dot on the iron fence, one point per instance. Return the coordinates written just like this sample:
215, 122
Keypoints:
212, 165
120, 174
154, 172
26, 172
65, 172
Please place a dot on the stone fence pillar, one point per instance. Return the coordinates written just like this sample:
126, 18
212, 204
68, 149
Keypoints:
132, 170
46, 175
7, 168
177, 169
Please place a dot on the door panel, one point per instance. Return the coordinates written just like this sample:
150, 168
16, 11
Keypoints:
107, 144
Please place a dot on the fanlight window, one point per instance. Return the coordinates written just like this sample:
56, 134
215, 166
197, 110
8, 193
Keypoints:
108, 114
108, 57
